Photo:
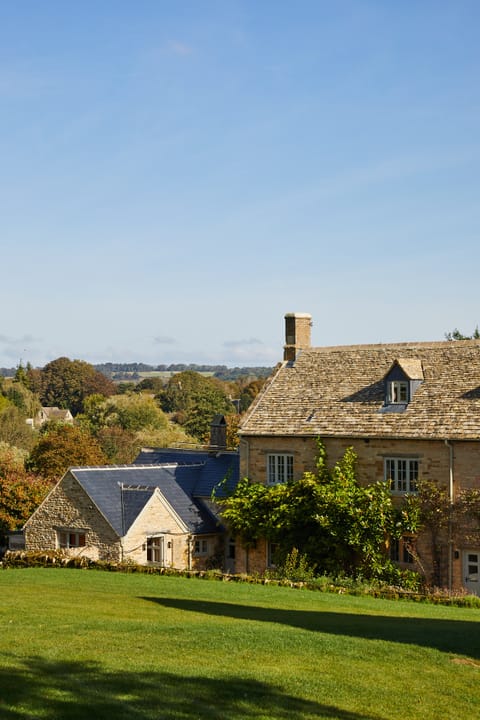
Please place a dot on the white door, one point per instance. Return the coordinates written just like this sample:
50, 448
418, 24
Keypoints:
471, 571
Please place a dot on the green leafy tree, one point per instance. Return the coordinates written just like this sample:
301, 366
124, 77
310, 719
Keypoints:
23, 398
119, 446
14, 429
21, 491
457, 335
94, 415
124, 423
153, 385
66, 383
338, 525
193, 400
62, 446
249, 393
135, 412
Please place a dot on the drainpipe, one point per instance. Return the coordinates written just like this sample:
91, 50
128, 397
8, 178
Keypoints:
450, 529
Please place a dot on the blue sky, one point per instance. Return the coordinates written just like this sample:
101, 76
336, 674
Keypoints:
176, 176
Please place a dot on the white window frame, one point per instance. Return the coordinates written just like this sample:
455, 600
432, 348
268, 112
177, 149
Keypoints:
398, 392
279, 468
67, 539
402, 474
200, 547
155, 549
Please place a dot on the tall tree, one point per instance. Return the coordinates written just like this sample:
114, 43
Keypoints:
21, 491
135, 412
66, 383
62, 446
193, 400
14, 429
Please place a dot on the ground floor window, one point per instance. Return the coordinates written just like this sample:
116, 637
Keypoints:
402, 474
401, 550
231, 548
272, 554
200, 547
155, 549
70, 538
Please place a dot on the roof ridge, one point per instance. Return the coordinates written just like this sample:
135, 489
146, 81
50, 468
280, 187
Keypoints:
403, 344
133, 466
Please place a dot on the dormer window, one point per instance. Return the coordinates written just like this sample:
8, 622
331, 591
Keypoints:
401, 382
398, 391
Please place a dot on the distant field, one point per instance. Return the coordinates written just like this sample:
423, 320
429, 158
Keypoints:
81, 644
163, 374
168, 373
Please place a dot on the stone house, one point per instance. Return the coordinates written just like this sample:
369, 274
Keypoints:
156, 511
52, 414
410, 410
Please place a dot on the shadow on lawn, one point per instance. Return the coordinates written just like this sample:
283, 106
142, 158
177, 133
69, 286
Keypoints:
452, 636
56, 690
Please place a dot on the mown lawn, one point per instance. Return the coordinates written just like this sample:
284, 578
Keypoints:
78, 644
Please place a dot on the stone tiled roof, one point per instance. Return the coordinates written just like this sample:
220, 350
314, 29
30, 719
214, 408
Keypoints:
339, 391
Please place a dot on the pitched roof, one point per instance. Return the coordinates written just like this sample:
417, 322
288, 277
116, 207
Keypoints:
121, 492
339, 391
215, 467
55, 413
412, 367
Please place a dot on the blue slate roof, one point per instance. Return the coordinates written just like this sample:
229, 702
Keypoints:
216, 467
121, 492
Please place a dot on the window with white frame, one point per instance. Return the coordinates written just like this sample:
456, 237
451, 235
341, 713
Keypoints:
71, 538
279, 468
155, 549
398, 392
200, 547
402, 474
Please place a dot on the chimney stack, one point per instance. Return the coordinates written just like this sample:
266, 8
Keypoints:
297, 334
218, 433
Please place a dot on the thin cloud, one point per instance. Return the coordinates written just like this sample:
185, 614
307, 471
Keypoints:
15, 349
17, 342
164, 340
237, 344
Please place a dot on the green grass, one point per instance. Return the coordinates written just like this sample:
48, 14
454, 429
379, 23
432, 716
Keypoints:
78, 644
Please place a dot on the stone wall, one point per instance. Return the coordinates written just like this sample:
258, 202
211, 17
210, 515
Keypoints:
68, 507
434, 465
433, 456
156, 520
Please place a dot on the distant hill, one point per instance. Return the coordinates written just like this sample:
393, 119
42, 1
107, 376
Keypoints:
138, 371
